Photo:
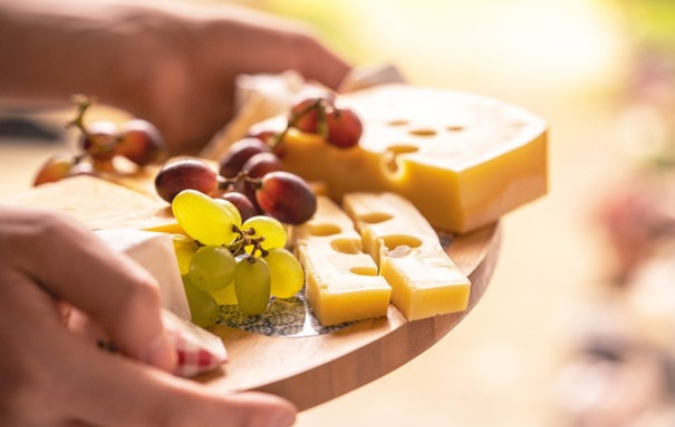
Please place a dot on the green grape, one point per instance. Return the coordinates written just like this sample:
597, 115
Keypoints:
232, 209
203, 307
269, 228
185, 248
204, 219
225, 296
212, 268
286, 273
252, 285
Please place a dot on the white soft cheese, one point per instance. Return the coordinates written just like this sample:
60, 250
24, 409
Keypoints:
154, 252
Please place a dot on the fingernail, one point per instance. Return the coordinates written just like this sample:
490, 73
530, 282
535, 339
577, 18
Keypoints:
161, 353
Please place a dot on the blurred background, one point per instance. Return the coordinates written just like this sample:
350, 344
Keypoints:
577, 327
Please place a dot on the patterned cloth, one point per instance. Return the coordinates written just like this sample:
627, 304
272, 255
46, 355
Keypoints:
199, 351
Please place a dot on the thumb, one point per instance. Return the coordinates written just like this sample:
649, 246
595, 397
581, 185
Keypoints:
74, 265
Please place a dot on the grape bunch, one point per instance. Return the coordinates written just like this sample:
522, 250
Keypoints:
260, 189
137, 140
318, 112
226, 260
315, 111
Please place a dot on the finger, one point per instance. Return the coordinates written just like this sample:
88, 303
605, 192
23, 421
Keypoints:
320, 64
108, 384
260, 43
73, 264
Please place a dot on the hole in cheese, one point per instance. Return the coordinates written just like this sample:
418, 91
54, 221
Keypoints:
345, 246
364, 271
397, 122
423, 132
402, 149
391, 156
394, 241
324, 229
375, 217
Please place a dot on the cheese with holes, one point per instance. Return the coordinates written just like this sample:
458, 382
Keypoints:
424, 281
342, 282
154, 252
100, 204
462, 159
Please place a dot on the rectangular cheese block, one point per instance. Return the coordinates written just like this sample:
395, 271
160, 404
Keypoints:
154, 252
424, 281
342, 282
463, 160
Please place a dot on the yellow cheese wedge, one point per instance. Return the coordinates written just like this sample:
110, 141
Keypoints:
342, 281
100, 204
463, 160
424, 280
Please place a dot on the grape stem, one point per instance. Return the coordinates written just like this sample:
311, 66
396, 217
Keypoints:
83, 103
320, 106
103, 144
239, 246
226, 184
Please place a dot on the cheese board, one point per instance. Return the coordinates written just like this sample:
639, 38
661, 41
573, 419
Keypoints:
431, 160
310, 370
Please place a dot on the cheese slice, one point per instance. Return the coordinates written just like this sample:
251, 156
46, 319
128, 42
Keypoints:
424, 281
100, 204
154, 252
463, 160
342, 281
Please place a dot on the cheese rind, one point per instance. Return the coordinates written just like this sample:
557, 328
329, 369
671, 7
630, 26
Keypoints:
463, 160
154, 252
342, 281
424, 281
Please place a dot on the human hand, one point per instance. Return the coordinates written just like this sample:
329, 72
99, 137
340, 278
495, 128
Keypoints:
183, 73
173, 64
53, 377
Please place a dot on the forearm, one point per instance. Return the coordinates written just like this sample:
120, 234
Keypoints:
50, 50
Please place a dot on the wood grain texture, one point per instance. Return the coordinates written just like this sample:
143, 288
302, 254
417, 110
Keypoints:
312, 370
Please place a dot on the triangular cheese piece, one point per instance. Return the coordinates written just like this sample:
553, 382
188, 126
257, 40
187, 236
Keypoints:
99, 204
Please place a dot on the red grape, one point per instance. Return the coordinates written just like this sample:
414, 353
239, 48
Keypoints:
141, 142
286, 197
183, 175
102, 141
265, 135
305, 115
54, 169
239, 153
344, 128
103, 165
261, 164
244, 206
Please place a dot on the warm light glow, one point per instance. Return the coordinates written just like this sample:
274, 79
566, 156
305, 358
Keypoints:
545, 43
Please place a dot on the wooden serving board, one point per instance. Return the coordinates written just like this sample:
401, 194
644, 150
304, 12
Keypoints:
311, 370
306, 369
